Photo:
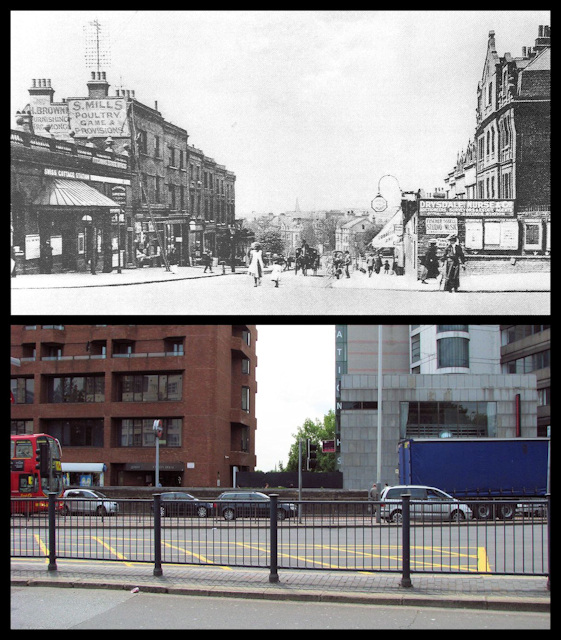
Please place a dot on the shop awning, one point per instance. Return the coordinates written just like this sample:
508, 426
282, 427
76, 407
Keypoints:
83, 467
71, 193
392, 232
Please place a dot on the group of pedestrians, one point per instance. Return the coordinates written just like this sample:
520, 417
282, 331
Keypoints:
452, 260
256, 266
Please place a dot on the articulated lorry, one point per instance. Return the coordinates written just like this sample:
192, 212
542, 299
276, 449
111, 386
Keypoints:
479, 471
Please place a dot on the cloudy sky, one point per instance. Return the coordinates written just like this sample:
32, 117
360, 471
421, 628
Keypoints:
308, 105
295, 381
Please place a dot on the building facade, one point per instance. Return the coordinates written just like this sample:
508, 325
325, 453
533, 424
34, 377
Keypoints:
70, 196
99, 389
437, 381
180, 198
525, 348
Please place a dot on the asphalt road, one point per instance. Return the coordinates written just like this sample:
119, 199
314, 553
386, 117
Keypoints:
81, 608
296, 295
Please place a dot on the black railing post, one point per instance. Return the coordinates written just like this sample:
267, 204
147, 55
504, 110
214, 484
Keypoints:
548, 539
157, 534
273, 575
52, 532
406, 541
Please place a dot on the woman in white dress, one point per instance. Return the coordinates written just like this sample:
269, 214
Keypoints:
256, 265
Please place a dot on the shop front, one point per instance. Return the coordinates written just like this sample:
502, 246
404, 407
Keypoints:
68, 206
83, 474
144, 474
492, 233
389, 244
74, 228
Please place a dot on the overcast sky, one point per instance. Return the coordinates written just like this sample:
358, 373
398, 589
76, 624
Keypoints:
295, 381
308, 105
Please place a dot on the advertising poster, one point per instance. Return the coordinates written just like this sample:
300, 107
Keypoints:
99, 118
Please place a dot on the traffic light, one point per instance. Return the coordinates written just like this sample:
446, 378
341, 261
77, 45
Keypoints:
311, 460
43, 458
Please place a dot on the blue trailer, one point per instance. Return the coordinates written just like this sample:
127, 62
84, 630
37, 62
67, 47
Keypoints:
486, 469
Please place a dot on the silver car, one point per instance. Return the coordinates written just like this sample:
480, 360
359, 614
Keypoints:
88, 501
435, 505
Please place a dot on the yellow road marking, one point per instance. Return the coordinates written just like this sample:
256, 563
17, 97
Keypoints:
42, 545
113, 551
483, 560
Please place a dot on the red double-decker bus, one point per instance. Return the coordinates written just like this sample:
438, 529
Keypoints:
35, 471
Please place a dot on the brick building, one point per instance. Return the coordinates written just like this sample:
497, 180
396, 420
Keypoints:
99, 388
190, 196
498, 195
68, 193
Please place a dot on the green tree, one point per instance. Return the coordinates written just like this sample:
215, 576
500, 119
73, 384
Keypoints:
317, 430
271, 240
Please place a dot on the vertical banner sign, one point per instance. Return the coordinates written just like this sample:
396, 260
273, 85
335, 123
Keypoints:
340, 369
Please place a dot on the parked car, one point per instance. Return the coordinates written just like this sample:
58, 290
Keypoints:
88, 501
251, 504
179, 503
531, 509
437, 505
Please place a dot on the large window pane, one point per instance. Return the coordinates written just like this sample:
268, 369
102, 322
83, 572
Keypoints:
150, 384
175, 382
453, 352
127, 388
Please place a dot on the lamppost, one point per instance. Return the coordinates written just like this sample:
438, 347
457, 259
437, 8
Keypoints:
89, 225
379, 203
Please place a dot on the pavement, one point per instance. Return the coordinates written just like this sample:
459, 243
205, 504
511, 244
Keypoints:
514, 593
504, 282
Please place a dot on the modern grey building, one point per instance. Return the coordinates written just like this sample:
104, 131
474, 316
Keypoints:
455, 403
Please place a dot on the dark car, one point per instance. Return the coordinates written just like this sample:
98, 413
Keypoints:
178, 503
250, 504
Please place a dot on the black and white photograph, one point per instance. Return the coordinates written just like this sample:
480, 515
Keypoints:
280, 163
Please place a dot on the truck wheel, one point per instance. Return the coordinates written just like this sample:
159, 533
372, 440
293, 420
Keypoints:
506, 512
484, 511
395, 516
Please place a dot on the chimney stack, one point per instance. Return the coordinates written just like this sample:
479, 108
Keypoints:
544, 39
42, 87
98, 87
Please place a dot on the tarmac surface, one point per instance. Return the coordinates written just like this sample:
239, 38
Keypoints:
514, 593
538, 281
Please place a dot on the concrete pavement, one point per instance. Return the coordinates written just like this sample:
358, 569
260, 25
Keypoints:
515, 593
538, 281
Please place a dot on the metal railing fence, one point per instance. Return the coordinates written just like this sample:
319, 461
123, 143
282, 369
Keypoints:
404, 536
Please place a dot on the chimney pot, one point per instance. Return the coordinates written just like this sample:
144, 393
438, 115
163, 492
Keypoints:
103, 75
34, 81
132, 93
523, 52
540, 31
93, 75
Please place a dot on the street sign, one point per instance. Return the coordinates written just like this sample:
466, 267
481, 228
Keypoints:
158, 429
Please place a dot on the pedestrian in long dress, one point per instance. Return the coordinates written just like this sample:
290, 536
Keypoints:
430, 263
453, 258
256, 267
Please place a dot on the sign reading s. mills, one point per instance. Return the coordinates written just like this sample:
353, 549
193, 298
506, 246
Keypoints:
99, 118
